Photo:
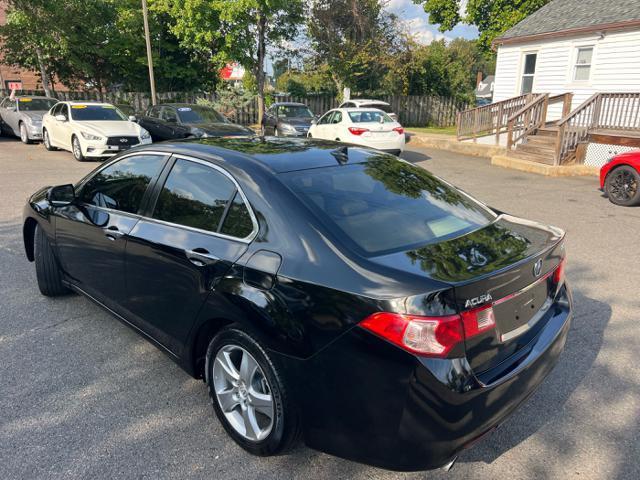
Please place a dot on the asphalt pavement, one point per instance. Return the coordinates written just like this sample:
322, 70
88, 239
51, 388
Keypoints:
83, 396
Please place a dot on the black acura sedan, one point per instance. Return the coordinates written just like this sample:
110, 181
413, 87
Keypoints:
322, 291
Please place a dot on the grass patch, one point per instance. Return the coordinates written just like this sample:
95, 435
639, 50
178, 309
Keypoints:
440, 130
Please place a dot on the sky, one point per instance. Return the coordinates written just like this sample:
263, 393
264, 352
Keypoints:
416, 21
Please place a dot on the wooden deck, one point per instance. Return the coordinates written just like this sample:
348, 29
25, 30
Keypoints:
627, 138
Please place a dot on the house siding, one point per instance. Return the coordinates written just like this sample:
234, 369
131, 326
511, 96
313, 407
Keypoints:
615, 67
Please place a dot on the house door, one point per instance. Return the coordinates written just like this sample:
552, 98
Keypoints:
528, 72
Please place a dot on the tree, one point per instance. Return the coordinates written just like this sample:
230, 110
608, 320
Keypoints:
352, 37
236, 30
492, 17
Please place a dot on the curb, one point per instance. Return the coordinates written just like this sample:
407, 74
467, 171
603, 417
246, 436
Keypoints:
542, 169
450, 143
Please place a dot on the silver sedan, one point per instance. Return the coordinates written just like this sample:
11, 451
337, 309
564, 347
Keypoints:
22, 116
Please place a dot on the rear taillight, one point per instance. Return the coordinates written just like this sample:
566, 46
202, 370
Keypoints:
478, 321
558, 274
430, 336
357, 130
400, 130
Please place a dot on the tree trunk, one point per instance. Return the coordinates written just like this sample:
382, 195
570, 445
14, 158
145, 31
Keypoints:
259, 72
43, 73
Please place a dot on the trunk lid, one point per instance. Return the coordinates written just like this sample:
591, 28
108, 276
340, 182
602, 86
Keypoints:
509, 265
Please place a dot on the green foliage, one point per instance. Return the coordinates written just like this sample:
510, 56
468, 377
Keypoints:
235, 30
313, 80
492, 17
229, 100
99, 43
353, 38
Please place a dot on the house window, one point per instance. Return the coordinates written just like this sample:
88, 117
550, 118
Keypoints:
529, 72
583, 64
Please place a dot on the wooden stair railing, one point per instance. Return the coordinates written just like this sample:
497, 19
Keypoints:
527, 120
489, 119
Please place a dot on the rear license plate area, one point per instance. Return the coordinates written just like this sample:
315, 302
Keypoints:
519, 313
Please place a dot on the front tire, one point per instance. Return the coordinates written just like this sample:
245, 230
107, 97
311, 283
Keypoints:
622, 186
24, 134
249, 395
48, 271
77, 149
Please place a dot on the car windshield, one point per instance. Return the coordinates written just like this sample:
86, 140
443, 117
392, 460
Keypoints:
91, 113
35, 104
371, 116
387, 205
294, 111
196, 114
379, 106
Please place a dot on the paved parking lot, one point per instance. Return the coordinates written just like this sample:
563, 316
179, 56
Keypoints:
83, 396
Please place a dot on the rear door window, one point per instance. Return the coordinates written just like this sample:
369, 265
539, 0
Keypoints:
121, 186
195, 195
386, 205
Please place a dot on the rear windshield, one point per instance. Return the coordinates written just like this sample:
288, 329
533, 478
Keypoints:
369, 117
383, 107
197, 114
93, 113
387, 205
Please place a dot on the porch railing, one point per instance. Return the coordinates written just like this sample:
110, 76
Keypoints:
527, 120
601, 111
489, 119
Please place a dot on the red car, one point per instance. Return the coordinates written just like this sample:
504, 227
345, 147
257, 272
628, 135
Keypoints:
620, 179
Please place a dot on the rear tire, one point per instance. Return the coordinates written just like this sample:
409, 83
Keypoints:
46, 141
622, 186
226, 353
47, 269
77, 149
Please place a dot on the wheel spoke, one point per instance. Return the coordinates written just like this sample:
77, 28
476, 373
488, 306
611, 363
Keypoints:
248, 367
228, 400
228, 368
252, 429
262, 402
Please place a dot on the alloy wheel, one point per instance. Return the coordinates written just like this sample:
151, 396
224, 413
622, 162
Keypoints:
23, 133
243, 393
77, 151
45, 140
623, 186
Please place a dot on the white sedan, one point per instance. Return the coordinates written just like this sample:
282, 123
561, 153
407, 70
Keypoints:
366, 127
90, 130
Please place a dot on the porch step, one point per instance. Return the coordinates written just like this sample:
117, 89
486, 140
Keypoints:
542, 149
538, 157
547, 131
542, 140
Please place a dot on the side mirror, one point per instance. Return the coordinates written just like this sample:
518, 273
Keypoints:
61, 118
132, 118
314, 121
12, 108
61, 195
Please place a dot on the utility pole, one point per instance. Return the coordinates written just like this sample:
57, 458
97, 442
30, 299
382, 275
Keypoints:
152, 81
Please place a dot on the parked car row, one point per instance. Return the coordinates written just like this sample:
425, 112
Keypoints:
98, 130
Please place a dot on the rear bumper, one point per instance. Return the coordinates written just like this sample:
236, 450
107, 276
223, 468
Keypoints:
365, 400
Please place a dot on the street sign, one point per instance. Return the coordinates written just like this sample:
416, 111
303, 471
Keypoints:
14, 85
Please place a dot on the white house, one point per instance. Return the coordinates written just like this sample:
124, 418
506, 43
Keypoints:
578, 46
579, 63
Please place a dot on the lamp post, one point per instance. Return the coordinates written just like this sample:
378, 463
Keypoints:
152, 81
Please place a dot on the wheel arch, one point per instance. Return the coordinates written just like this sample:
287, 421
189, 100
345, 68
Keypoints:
203, 336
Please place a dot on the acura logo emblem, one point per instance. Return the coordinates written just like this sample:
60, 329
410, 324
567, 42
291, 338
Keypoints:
537, 268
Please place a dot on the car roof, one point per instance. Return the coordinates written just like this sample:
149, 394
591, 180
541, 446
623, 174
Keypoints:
278, 155
289, 104
358, 110
366, 100
87, 102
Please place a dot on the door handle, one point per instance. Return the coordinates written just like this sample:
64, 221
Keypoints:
113, 233
201, 257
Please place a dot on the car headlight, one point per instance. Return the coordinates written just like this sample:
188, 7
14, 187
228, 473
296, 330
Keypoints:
287, 128
144, 134
90, 136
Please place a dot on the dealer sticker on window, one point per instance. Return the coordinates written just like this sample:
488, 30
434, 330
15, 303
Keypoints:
184, 109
